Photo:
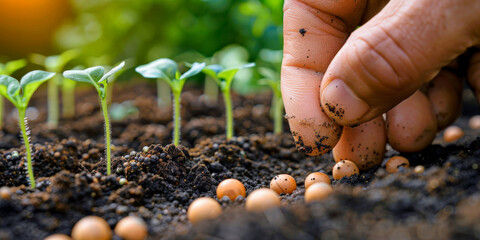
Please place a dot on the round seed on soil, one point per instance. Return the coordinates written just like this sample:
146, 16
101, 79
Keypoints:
396, 162
203, 208
474, 122
283, 183
122, 181
261, 200
91, 227
452, 133
344, 168
316, 177
318, 191
231, 188
131, 228
5, 193
419, 169
58, 236
145, 149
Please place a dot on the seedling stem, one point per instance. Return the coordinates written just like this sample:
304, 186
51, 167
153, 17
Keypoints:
22, 121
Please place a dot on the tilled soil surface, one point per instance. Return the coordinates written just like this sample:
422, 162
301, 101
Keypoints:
443, 202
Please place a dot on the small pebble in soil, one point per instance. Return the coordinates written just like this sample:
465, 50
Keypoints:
131, 228
283, 183
316, 177
15, 155
395, 162
452, 133
317, 192
203, 208
231, 188
119, 170
344, 168
145, 149
58, 236
5, 193
474, 122
91, 227
419, 169
133, 153
122, 181
261, 200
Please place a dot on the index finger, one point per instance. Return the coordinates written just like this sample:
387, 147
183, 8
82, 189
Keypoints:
314, 31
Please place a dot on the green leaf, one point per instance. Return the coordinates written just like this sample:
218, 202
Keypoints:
12, 66
163, 68
228, 74
58, 62
79, 76
31, 81
213, 70
111, 72
96, 73
9, 88
196, 68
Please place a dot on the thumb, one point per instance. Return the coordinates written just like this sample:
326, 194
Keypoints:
392, 55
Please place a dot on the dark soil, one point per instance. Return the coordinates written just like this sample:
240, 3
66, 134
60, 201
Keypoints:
443, 202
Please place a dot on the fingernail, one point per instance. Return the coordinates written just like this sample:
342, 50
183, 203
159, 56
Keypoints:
341, 103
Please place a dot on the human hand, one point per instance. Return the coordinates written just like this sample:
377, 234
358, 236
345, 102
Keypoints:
356, 76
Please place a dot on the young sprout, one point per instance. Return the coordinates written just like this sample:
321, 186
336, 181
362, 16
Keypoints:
272, 79
19, 94
166, 69
7, 69
56, 64
224, 78
99, 79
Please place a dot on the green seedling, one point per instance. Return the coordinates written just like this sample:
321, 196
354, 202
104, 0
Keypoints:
272, 79
19, 94
99, 79
224, 78
56, 64
167, 70
7, 69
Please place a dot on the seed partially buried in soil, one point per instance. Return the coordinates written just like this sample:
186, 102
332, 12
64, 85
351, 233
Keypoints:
396, 162
474, 122
232, 188
131, 228
261, 200
318, 192
283, 183
203, 208
316, 177
364, 144
452, 134
344, 168
91, 227
5, 193
58, 236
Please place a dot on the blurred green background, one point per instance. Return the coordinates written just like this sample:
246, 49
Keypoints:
142, 29
108, 31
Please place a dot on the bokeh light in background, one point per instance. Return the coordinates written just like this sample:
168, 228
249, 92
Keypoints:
140, 29
28, 25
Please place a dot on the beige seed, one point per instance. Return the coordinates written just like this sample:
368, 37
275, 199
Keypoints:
261, 200
91, 227
283, 183
344, 168
131, 228
317, 192
203, 208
